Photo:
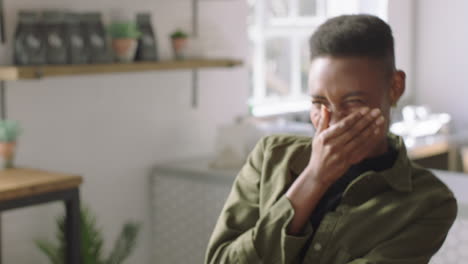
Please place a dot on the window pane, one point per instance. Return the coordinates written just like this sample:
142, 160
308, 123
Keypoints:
305, 63
278, 8
277, 68
251, 14
307, 7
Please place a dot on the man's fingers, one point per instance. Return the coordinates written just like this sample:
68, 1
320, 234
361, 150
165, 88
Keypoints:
319, 122
372, 118
344, 125
324, 119
357, 149
354, 149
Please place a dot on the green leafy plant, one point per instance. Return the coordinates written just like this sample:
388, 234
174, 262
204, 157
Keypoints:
9, 130
124, 30
179, 34
91, 242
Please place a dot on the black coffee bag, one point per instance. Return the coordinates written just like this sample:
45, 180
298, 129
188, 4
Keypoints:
147, 46
54, 29
29, 43
96, 39
75, 39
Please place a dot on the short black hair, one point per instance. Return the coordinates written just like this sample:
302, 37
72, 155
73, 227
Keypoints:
354, 36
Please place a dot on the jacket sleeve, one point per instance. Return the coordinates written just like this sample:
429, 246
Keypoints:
417, 243
241, 235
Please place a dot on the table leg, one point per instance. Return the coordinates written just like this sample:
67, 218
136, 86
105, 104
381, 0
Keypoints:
1, 246
72, 229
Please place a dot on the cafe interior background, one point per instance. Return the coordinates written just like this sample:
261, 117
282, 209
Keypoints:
160, 145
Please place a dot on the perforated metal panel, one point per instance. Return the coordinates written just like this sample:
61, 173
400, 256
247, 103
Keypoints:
186, 205
455, 248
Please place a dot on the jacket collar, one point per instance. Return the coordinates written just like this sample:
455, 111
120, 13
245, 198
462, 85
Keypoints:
398, 177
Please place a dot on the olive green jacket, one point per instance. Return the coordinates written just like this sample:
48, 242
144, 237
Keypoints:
400, 215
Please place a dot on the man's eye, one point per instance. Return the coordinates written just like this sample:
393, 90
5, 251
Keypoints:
317, 103
355, 101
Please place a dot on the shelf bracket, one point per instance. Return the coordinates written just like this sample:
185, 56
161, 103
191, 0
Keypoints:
2, 23
194, 71
3, 112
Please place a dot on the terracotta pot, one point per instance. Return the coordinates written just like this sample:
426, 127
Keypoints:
179, 46
7, 154
124, 49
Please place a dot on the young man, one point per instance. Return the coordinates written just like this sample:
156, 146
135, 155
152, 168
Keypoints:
350, 194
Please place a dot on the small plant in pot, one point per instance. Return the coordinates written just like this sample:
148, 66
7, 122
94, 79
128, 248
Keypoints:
124, 40
179, 40
9, 132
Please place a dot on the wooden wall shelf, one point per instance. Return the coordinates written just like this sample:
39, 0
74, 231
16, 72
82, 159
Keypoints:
11, 73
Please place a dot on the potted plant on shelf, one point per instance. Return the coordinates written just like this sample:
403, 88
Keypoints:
179, 41
91, 242
124, 40
9, 132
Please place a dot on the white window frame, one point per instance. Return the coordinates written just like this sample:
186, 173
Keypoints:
294, 28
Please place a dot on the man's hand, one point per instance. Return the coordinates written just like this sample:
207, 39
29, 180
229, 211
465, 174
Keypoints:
335, 148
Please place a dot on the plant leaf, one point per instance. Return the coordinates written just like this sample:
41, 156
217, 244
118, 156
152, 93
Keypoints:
9, 130
91, 238
124, 30
125, 243
50, 250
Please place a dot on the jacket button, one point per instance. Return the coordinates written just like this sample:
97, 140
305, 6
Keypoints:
317, 247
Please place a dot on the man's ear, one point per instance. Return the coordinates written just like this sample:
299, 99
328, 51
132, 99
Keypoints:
398, 86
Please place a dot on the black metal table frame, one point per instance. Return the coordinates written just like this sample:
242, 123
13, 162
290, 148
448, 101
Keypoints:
71, 197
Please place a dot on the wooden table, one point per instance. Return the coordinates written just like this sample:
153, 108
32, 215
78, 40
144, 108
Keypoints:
27, 187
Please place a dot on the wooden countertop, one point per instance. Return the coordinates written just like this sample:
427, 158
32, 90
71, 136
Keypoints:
21, 182
428, 150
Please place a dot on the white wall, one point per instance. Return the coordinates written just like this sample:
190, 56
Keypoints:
113, 128
400, 16
442, 57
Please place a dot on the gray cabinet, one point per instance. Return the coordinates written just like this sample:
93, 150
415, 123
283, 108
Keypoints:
455, 248
187, 197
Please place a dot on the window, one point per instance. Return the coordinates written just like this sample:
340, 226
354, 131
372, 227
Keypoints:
278, 32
